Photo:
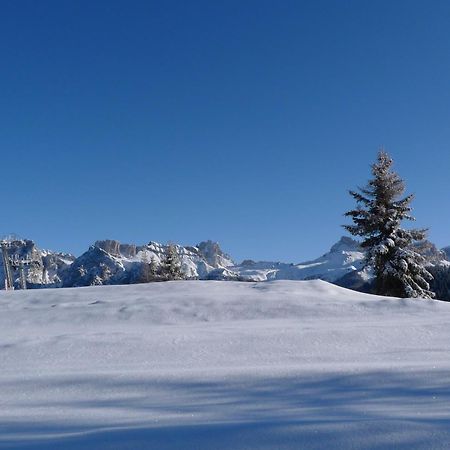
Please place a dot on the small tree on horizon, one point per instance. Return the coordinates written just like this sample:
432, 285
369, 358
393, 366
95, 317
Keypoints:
399, 270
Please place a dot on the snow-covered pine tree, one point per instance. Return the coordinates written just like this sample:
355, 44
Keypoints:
170, 265
148, 271
399, 270
153, 269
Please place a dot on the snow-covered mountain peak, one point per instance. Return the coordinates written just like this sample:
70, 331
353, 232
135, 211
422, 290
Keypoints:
115, 248
346, 244
345, 256
213, 254
112, 262
42, 267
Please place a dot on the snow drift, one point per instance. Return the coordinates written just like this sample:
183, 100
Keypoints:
204, 364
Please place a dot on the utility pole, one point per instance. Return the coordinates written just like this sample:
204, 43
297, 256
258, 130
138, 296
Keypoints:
9, 284
19, 264
23, 278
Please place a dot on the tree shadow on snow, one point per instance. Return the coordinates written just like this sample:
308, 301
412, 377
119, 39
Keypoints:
374, 410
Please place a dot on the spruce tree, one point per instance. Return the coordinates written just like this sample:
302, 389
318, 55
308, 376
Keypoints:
148, 271
153, 269
398, 268
170, 265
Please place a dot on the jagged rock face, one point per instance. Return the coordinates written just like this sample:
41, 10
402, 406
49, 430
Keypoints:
128, 250
115, 248
94, 267
213, 254
43, 268
343, 265
109, 246
431, 253
344, 257
192, 263
54, 266
446, 251
110, 262
346, 244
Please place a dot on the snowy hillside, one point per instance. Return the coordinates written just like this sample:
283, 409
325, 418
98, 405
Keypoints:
222, 365
345, 256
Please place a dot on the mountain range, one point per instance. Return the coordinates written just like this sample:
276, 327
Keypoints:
112, 262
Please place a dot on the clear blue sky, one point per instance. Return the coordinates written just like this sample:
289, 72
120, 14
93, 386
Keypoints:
239, 121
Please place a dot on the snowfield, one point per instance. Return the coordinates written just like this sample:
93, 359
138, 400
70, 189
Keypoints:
222, 365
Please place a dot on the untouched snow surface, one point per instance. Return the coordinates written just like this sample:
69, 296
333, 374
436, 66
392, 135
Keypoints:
222, 365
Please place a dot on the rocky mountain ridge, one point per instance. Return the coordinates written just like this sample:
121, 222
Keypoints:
112, 262
43, 268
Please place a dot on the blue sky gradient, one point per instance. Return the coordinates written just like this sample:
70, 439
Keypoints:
244, 122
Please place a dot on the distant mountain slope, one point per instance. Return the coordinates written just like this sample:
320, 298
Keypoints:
112, 262
45, 267
446, 251
345, 256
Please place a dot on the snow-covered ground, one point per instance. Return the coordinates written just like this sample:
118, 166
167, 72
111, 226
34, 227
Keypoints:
222, 365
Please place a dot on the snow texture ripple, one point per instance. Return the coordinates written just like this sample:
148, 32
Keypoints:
222, 365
